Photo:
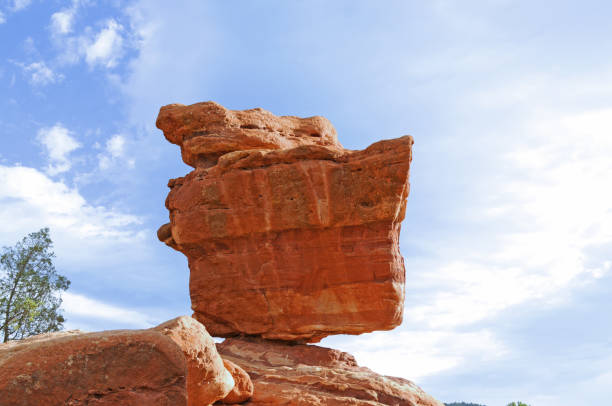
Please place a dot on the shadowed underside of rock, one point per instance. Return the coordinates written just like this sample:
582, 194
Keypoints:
292, 241
285, 374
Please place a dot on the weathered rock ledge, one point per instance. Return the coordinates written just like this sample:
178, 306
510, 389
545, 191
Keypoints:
288, 374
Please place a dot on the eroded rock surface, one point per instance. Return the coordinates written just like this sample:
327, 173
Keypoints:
207, 378
205, 131
243, 388
288, 235
107, 368
285, 374
155, 367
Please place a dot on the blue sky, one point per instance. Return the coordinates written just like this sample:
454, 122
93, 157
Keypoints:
508, 233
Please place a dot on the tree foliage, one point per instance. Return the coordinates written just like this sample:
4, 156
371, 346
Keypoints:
517, 404
462, 404
30, 288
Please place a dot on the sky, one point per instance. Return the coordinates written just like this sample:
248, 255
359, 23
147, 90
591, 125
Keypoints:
507, 239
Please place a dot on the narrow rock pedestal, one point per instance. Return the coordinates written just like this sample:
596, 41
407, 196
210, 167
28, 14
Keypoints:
290, 374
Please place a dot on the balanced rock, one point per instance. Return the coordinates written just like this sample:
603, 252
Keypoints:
155, 367
288, 235
285, 374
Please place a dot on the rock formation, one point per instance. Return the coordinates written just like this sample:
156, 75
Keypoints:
286, 374
207, 378
174, 364
288, 235
243, 388
290, 238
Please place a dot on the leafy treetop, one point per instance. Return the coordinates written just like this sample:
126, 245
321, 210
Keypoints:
30, 288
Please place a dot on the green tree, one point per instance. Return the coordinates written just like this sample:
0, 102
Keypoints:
463, 404
517, 404
30, 289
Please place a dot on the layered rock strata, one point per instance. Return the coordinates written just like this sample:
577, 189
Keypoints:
288, 235
173, 364
286, 374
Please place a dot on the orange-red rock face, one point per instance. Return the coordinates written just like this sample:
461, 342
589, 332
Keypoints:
292, 244
174, 364
207, 378
243, 388
285, 374
107, 368
206, 131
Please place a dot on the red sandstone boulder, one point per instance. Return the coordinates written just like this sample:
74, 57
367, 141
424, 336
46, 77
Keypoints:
207, 378
291, 239
108, 368
155, 367
243, 388
205, 131
285, 374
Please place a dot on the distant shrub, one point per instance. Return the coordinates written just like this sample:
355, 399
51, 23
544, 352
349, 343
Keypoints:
463, 404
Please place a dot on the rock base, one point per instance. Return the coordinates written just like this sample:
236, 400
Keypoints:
300, 375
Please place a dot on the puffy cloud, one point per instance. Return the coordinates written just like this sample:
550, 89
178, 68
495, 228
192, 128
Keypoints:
107, 46
80, 308
2, 18
59, 144
103, 47
62, 21
31, 199
420, 353
547, 221
40, 74
114, 152
115, 145
20, 4
95, 242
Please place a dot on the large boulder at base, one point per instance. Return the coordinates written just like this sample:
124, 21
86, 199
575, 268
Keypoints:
288, 235
207, 378
154, 367
301, 375
243, 388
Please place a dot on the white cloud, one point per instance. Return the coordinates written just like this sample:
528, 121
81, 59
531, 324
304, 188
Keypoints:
114, 152
59, 144
104, 47
2, 18
115, 146
84, 235
92, 241
415, 354
107, 46
40, 74
62, 21
78, 306
545, 222
95, 246
20, 4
